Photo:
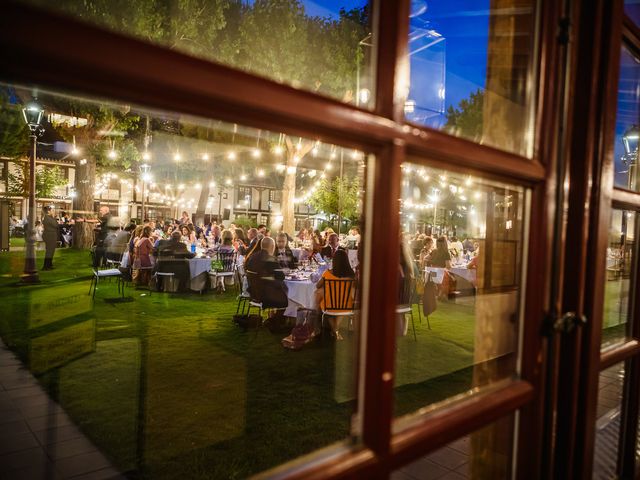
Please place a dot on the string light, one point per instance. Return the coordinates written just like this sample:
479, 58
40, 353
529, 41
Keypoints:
261, 173
278, 150
231, 155
205, 157
255, 153
177, 157
243, 177
228, 181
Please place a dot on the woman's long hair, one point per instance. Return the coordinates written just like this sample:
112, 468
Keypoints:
341, 267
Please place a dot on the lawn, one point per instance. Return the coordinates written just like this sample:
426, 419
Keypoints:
169, 387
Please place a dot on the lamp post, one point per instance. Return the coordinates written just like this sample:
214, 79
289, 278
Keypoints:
630, 141
145, 176
32, 113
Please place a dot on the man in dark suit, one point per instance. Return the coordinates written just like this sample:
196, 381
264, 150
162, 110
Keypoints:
333, 244
101, 234
172, 255
252, 236
283, 253
50, 236
266, 280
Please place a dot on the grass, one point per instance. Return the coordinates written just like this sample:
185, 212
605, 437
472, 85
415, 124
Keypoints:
169, 388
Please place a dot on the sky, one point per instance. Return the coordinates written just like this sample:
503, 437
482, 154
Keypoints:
330, 8
449, 70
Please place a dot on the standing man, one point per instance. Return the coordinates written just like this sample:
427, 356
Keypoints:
49, 236
100, 250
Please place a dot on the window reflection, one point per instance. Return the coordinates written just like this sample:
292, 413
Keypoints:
469, 64
487, 453
609, 416
460, 274
627, 130
620, 260
324, 47
220, 332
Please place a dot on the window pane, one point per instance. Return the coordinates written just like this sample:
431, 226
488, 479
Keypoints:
173, 377
627, 119
620, 253
470, 64
632, 10
460, 276
487, 453
325, 47
608, 422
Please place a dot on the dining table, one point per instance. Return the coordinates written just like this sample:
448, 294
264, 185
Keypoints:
301, 291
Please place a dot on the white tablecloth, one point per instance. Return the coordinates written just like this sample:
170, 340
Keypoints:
301, 295
468, 274
198, 266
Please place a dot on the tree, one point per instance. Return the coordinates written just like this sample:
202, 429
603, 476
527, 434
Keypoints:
466, 120
14, 133
48, 179
337, 197
108, 141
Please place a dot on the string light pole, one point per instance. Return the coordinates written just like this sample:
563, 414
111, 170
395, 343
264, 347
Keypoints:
32, 113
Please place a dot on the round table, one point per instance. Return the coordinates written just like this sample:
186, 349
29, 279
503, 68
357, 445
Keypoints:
301, 294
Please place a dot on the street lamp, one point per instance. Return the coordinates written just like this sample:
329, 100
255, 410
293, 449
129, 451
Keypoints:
630, 158
32, 113
145, 168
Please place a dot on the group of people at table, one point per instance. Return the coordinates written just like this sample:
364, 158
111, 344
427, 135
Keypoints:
270, 263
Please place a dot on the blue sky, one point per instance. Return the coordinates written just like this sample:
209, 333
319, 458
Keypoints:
330, 8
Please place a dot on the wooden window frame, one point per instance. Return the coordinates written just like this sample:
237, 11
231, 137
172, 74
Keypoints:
64, 54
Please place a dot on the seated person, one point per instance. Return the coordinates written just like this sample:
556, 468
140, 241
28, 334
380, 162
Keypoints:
285, 256
171, 255
340, 269
333, 245
226, 242
266, 280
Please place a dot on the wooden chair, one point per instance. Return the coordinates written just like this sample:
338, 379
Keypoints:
339, 298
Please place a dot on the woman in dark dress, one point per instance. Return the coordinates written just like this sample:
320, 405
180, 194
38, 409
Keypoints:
49, 236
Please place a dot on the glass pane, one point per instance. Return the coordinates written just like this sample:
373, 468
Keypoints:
608, 422
487, 453
179, 373
460, 276
617, 302
470, 66
627, 119
632, 10
325, 47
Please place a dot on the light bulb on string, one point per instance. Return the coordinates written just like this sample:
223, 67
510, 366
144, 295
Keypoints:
255, 153
261, 172
205, 156
177, 157
231, 155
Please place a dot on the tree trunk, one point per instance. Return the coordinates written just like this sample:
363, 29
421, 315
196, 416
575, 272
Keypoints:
287, 205
202, 204
85, 177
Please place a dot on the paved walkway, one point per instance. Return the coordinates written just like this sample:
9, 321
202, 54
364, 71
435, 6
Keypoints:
38, 440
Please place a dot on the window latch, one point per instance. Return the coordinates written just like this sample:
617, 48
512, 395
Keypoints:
564, 324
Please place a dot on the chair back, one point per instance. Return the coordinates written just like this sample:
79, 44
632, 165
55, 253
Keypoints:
241, 278
228, 261
340, 294
255, 286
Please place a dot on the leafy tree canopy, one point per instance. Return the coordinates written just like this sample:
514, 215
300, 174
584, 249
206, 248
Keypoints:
466, 120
